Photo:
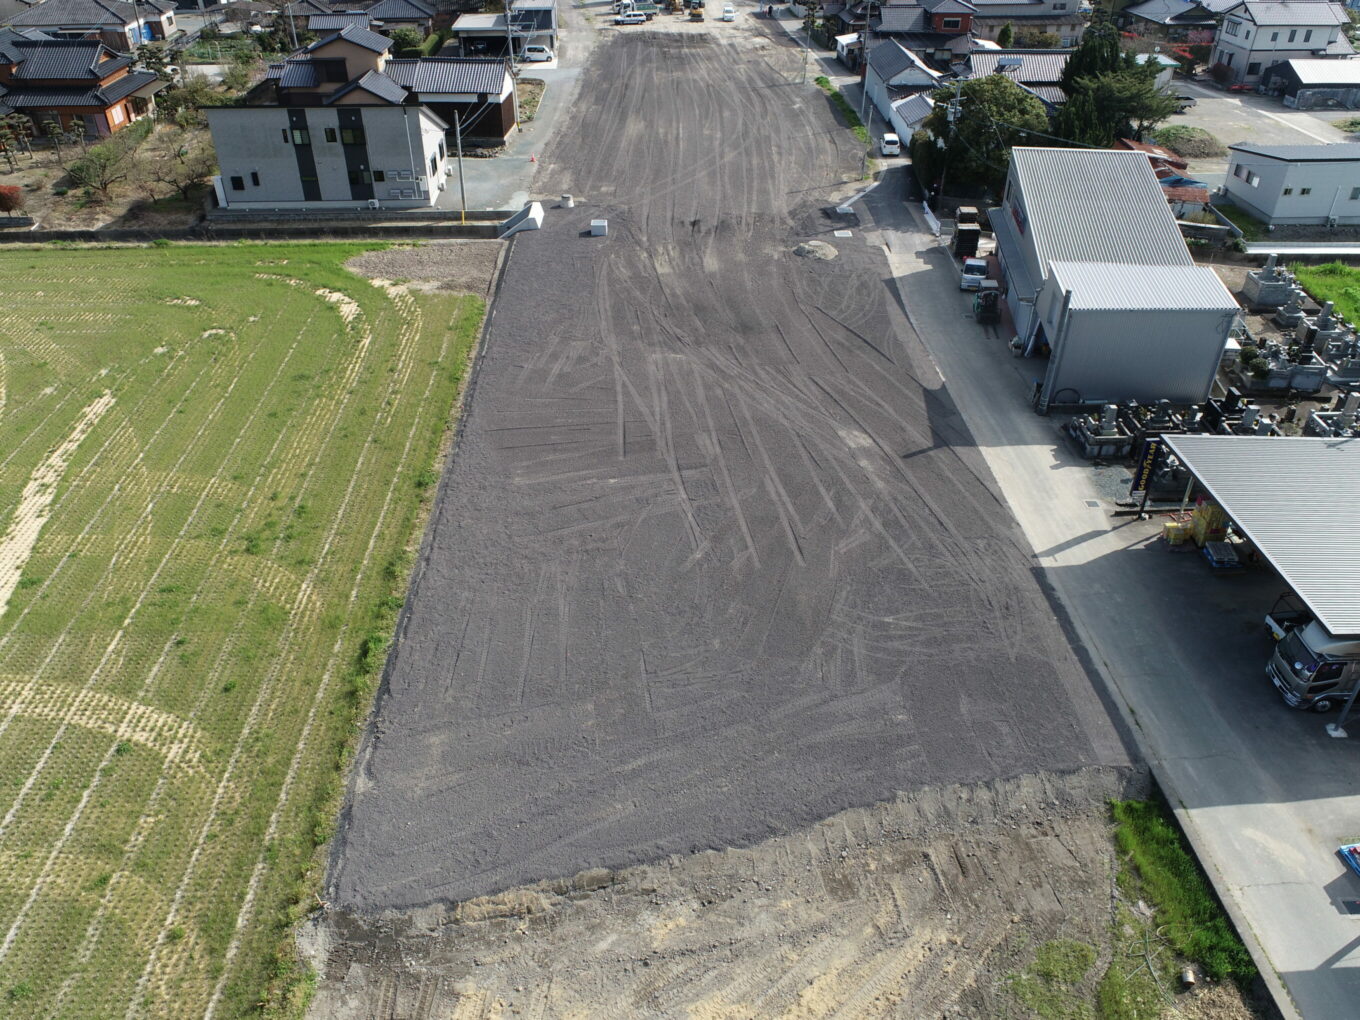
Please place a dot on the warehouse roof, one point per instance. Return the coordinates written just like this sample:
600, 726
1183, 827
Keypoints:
1122, 287
1329, 153
1324, 72
1295, 499
1097, 205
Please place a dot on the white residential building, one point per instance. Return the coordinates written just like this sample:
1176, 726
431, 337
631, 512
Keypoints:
1256, 34
1306, 184
894, 73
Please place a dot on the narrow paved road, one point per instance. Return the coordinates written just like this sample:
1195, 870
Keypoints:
716, 556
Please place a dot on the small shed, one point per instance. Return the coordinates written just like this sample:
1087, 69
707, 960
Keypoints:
1308, 84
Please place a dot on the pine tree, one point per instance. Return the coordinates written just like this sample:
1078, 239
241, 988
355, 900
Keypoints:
1006, 36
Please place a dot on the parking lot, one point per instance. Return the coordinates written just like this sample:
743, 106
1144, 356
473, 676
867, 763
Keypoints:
1246, 117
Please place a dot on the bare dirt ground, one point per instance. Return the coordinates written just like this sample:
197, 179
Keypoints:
715, 561
934, 904
463, 267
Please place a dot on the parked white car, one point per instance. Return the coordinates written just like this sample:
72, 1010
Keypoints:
890, 144
534, 54
974, 272
729, 13
631, 18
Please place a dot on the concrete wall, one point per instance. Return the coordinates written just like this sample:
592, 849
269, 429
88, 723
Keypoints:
1145, 355
1329, 188
399, 142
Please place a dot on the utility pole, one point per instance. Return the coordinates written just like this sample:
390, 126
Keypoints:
864, 56
458, 136
952, 115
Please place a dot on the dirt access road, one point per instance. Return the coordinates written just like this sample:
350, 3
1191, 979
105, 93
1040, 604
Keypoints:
715, 558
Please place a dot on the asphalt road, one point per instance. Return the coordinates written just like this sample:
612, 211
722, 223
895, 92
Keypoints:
715, 556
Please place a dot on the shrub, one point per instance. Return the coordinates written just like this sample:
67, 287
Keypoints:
11, 198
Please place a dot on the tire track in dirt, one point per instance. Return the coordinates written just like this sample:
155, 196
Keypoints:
789, 581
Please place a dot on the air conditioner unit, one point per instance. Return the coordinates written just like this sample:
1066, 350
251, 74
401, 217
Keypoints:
374, 204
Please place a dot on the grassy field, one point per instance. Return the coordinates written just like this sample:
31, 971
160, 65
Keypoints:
1333, 282
214, 466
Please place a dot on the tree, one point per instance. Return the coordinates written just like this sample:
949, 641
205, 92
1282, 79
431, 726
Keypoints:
242, 70
1079, 121
1033, 39
994, 115
1127, 104
181, 159
181, 103
105, 164
15, 132
11, 199
405, 39
1006, 36
152, 58
1097, 53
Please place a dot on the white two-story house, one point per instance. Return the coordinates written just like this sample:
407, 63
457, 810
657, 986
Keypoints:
1257, 34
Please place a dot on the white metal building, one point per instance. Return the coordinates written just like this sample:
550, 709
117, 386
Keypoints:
1099, 279
1313, 184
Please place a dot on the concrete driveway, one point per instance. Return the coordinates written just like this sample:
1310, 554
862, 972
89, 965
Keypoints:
1264, 794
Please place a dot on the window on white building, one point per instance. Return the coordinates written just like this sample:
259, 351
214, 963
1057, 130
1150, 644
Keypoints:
1287, 191
1355, 194
1308, 35
1232, 27
1253, 68
1305, 191
1293, 32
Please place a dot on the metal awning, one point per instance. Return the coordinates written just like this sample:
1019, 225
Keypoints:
1297, 500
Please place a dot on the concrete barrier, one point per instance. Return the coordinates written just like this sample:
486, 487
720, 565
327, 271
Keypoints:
528, 218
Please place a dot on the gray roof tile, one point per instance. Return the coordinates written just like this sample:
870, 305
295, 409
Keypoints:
375, 84
1037, 67
448, 74
56, 13
1292, 12
358, 36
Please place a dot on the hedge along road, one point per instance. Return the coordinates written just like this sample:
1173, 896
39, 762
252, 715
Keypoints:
715, 556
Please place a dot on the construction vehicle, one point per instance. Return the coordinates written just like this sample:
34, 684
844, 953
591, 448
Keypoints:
696, 12
987, 303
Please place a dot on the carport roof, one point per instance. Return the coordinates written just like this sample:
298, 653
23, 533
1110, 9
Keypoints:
1325, 72
1295, 498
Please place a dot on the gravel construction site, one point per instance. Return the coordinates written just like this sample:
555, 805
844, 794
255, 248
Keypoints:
715, 565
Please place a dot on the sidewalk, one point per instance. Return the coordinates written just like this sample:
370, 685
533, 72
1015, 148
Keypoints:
1264, 794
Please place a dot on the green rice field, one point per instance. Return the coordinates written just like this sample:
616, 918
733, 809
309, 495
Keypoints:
214, 464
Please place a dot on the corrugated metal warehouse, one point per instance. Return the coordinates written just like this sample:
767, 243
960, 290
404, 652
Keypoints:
1099, 280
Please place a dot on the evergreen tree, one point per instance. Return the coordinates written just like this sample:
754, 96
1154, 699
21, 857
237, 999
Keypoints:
1079, 121
1006, 36
1097, 53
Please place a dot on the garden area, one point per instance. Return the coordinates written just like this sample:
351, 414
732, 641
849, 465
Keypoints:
1334, 282
220, 462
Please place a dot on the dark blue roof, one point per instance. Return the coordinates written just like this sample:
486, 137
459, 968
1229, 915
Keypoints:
41, 59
